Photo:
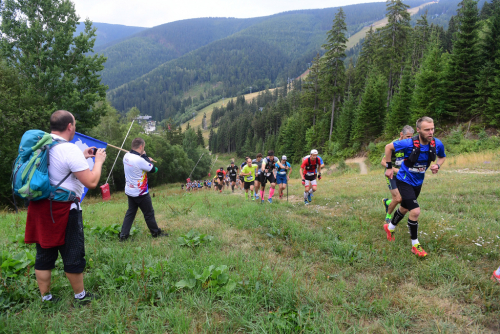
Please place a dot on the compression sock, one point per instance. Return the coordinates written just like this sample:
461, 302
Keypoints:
398, 216
388, 216
232, 188
413, 226
47, 297
271, 193
311, 191
498, 271
388, 202
262, 194
305, 195
80, 295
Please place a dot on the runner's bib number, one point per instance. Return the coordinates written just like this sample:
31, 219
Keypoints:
282, 173
418, 168
249, 178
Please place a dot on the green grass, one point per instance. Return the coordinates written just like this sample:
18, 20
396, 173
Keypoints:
325, 268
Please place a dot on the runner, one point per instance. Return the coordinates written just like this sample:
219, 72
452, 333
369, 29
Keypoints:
397, 159
249, 173
310, 169
282, 177
419, 152
496, 275
321, 162
221, 174
258, 162
268, 174
216, 182
232, 171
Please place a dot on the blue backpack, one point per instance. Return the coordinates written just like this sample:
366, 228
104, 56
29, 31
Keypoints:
30, 176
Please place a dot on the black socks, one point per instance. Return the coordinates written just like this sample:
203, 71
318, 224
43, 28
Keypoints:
413, 227
398, 216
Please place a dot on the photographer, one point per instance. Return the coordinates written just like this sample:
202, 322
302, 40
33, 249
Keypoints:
137, 164
63, 233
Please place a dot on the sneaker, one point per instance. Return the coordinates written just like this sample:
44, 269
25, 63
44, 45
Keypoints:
309, 197
385, 204
390, 234
306, 202
281, 196
53, 300
388, 220
270, 200
253, 198
123, 238
495, 277
418, 251
262, 201
256, 196
89, 297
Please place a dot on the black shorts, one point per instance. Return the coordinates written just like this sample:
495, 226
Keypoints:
264, 178
409, 194
248, 184
72, 252
242, 178
391, 183
232, 178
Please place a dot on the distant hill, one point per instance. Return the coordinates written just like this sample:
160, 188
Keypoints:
109, 33
259, 52
141, 53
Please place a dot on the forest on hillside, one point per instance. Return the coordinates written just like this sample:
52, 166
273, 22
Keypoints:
402, 73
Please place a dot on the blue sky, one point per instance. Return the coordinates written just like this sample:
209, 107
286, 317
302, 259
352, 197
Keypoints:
149, 13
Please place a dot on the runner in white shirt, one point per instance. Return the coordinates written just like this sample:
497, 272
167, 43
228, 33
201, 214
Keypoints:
136, 165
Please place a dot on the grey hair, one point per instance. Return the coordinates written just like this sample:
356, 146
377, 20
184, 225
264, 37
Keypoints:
407, 129
424, 119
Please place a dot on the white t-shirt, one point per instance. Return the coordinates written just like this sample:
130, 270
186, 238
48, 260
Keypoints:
136, 176
65, 158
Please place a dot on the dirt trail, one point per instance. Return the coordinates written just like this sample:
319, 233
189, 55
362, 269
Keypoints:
362, 165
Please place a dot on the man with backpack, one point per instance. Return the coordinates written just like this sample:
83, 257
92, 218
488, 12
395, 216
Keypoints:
136, 165
56, 225
221, 175
268, 168
419, 153
397, 159
310, 170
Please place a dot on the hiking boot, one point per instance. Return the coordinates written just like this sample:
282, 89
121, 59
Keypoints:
385, 204
418, 251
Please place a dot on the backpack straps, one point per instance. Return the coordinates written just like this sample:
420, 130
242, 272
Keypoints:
415, 153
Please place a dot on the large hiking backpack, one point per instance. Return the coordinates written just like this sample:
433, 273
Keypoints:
30, 175
415, 153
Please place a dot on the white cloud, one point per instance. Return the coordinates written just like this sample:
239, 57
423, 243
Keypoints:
149, 13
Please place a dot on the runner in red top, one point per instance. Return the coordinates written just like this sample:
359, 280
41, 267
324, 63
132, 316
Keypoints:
310, 168
221, 175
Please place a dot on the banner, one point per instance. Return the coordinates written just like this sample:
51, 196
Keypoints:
84, 142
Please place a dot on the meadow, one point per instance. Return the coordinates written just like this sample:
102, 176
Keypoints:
233, 265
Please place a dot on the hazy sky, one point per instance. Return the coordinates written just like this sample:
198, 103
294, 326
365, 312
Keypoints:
149, 13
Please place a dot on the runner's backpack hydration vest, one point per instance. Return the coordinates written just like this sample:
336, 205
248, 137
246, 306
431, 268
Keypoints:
415, 153
309, 166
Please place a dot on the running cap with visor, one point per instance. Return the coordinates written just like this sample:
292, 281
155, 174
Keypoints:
314, 152
283, 157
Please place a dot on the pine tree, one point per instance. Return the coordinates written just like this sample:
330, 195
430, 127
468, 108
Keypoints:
450, 34
492, 116
364, 62
394, 37
345, 122
400, 114
464, 62
311, 87
333, 62
201, 140
429, 93
370, 114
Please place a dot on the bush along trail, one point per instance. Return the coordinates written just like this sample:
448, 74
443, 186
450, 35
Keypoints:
232, 265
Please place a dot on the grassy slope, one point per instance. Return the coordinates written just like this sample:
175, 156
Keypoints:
324, 268
209, 109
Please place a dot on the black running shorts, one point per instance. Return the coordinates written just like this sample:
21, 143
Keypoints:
232, 178
409, 194
248, 184
270, 178
72, 252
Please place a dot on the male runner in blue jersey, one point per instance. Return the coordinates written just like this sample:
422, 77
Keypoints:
419, 153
